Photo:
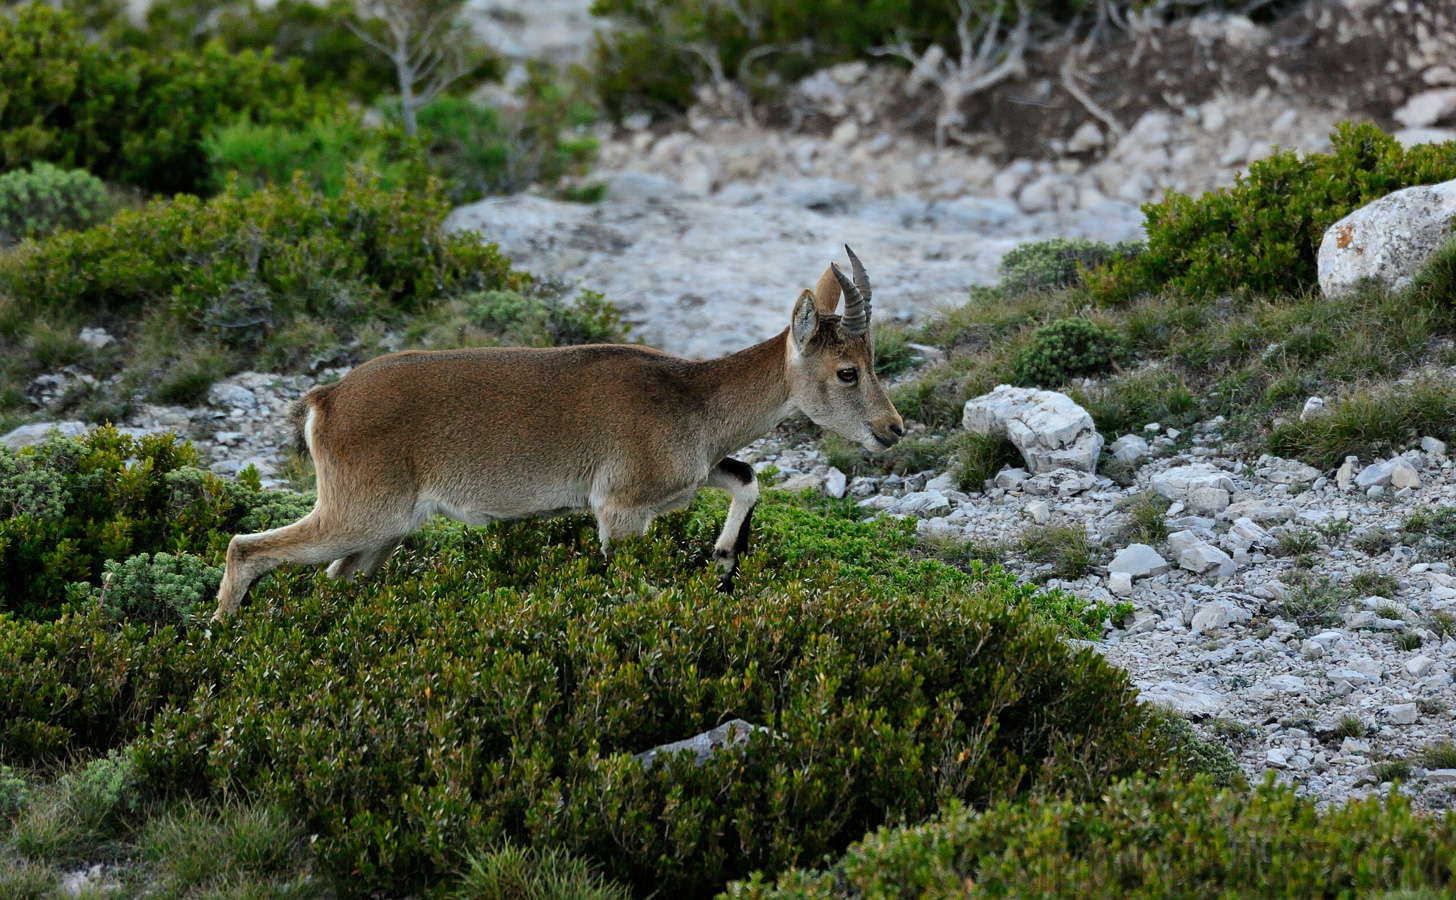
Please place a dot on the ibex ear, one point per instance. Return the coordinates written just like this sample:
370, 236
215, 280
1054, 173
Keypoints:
826, 293
806, 319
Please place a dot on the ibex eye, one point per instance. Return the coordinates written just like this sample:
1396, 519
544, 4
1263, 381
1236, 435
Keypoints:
848, 376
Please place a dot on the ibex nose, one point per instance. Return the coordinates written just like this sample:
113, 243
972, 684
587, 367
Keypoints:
899, 432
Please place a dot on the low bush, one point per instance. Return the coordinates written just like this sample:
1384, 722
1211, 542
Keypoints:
45, 199
1063, 350
239, 263
520, 872
124, 115
70, 506
1057, 264
81, 811
1140, 841
493, 684
1262, 235
326, 150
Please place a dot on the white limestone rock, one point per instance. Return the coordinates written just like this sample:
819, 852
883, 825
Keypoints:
1193, 702
1050, 430
26, 435
1206, 559
1388, 240
835, 483
1060, 483
1138, 561
1179, 483
1129, 448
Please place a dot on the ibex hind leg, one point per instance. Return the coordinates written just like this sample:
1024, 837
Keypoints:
738, 480
363, 563
306, 542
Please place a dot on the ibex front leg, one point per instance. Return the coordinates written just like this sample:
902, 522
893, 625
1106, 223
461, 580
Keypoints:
738, 480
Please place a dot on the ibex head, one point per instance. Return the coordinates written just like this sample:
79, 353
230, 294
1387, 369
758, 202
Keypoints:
831, 368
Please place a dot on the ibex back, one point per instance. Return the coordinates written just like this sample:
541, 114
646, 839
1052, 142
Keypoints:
627, 433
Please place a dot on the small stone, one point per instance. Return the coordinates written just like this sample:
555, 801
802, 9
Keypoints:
1279, 757
1210, 617
802, 482
1138, 561
1194, 702
1206, 559
1432, 445
1286, 471
1050, 429
928, 353
1120, 583
1011, 479
1354, 746
1375, 491
1401, 714
1208, 501
835, 483
1404, 475
1313, 407
233, 395
1178, 483
1418, 666
1040, 511
1346, 473
1087, 137
1129, 448
1060, 483
96, 338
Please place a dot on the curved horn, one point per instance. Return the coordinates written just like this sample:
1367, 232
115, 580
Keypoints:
856, 296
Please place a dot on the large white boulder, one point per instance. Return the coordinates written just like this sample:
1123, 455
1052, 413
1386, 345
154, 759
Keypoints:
1388, 240
1050, 429
26, 435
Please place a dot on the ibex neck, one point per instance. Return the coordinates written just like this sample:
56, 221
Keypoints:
747, 394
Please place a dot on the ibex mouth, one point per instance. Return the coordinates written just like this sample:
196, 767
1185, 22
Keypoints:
884, 439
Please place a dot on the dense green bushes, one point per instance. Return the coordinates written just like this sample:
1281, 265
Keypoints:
496, 685
492, 685
1143, 841
240, 264
124, 115
1066, 349
45, 199
1263, 234
70, 506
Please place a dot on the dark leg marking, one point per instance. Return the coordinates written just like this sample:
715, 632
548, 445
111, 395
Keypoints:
739, 470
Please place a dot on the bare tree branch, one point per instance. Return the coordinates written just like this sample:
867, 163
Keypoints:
987, 56
429, 49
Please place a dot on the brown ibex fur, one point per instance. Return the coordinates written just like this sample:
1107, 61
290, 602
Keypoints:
625, 432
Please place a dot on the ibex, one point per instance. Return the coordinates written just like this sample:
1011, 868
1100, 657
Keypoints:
496, 434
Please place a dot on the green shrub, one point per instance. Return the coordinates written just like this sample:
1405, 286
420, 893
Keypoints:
520, 873
976, 458
326, 150
510, 673
14, 792
311, 36
124, 115
111, 497
75, 816
164, 589
1066, 349
1192, 756
45, 199
1057, 264
531, 321
1142, 841
1437, 277
241, 263
478, 151
1263, 234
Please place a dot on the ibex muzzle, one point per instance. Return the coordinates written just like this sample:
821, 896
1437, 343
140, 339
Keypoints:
627, 433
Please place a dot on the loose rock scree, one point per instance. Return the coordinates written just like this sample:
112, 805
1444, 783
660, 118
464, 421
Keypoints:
625, 432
